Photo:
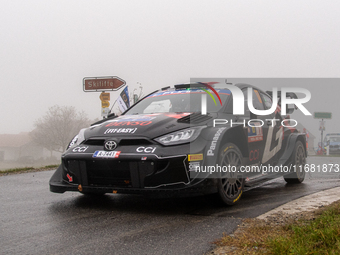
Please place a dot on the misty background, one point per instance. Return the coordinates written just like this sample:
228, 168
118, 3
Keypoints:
48, 47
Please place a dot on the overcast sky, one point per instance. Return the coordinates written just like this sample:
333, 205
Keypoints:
47, 47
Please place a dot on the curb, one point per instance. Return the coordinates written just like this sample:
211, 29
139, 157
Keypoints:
306, 203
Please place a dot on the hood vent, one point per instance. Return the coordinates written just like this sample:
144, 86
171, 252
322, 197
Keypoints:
194, 118
97, 142
135, 142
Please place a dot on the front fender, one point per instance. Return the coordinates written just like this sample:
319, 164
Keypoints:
215, 138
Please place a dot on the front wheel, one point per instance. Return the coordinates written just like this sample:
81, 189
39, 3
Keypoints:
231, 183
298, 161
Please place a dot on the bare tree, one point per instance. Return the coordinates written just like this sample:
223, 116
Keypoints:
58, 126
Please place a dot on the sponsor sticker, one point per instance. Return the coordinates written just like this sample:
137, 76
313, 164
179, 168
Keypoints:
74, 140
106, 154
177, 115
146, 149
69, 177
120, 130
194, 166
135, 118
255, 133
214, 141
254, 155
128, 123
80, 149
195, 157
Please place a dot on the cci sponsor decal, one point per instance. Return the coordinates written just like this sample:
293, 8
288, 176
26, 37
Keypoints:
254, 155
195, 157
106, 154
146, 149
120, 130
80, 149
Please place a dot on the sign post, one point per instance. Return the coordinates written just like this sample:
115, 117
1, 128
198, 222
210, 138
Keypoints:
102, 84
322, 115
95, 84
105, 98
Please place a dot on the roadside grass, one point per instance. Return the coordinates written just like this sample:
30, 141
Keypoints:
26, 169
50, 166
320, 234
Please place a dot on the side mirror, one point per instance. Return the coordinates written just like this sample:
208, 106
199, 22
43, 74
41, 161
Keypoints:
111, 115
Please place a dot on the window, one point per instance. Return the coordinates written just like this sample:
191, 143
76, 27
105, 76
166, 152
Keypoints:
257, 101
178, 101
246, 109
267, 101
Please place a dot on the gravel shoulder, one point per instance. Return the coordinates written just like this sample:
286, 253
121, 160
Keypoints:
25, 170
305, 208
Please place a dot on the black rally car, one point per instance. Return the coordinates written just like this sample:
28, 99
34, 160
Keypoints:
165, 144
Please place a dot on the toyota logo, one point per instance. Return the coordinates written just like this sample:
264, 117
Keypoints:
110, 145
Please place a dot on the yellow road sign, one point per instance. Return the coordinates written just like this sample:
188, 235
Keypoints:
104, 96
105, 104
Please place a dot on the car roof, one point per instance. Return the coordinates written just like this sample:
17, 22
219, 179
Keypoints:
199, 85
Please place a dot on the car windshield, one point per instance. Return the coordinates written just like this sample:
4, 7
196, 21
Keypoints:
179, 101
335, 139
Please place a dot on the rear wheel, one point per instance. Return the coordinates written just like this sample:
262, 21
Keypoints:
231, 183
298, 164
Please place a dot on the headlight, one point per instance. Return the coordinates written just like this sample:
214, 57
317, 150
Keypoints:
182, 136
78, 139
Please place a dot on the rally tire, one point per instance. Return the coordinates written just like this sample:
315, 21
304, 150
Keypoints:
230, 185
298, 160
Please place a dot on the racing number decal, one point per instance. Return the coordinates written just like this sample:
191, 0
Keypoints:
268, 154
255, 133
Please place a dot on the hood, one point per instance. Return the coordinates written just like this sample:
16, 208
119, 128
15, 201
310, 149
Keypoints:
146, 125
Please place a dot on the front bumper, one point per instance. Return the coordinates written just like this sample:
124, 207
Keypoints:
58, 185
130, 173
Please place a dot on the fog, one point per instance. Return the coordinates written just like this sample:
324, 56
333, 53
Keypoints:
48, 47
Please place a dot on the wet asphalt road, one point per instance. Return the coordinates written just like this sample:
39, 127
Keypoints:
36, 221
